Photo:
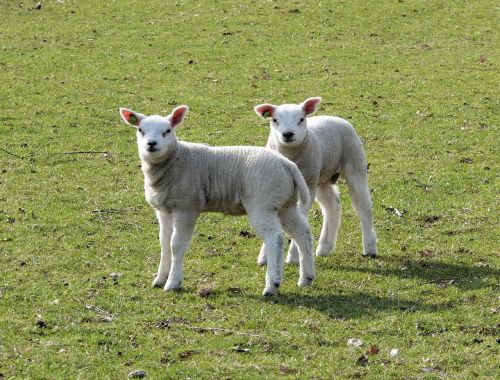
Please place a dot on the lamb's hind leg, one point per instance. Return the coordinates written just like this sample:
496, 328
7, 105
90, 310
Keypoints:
293, 256
295, 223
361, 200
328, 196
183, 226
268, 228
166, 227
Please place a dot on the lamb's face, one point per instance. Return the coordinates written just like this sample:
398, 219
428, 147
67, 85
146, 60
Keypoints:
289, 125
288, 122
155, 136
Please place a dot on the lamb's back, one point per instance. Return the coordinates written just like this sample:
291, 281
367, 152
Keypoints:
337, 141
245, 173
221, 179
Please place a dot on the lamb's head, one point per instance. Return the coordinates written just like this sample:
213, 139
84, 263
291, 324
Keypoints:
288, 122
155, 134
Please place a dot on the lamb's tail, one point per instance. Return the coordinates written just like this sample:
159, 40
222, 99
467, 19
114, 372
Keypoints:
304, 197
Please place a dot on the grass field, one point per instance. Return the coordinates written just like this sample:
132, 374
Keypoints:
79, 246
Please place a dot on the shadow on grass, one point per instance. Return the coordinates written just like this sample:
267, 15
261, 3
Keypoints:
432, 271
352, 305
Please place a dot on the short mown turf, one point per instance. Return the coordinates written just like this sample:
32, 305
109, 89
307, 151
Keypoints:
79, 245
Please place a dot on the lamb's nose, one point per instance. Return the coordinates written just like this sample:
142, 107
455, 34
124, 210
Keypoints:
151, 143
288, 135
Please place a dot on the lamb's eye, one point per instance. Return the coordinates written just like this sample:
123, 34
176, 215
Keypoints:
301, 121
141, 131
166, 132
275, 121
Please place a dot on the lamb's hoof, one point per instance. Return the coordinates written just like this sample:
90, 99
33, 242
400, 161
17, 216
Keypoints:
159, 281
370, 254
271, 290
172, 286
262, 261
324, 250
305, 281
292, 260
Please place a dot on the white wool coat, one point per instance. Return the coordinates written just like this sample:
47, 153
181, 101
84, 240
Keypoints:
201, 178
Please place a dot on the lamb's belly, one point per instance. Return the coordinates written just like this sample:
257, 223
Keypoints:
232, 208
330, 176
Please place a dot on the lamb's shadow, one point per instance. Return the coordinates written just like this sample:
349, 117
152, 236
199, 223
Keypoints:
432, 271
359, 304
351, 305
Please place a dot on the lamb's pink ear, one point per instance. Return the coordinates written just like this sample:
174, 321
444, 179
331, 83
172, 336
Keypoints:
177, 115
130, 117
309, 105
264, 110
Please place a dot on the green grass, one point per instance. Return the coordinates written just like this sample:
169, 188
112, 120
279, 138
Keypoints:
418, 79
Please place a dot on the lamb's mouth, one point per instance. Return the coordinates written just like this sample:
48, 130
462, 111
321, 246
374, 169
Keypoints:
152, 149
288, 140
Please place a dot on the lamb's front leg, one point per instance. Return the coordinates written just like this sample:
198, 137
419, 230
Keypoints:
328, 196
165, 221
262, 259
293, 251
183, 226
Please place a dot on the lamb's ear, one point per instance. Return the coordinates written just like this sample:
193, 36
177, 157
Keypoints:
309, 105
130, 117
264, 110
177, 115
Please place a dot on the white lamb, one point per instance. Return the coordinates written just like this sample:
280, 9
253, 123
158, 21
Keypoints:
183, 179
323, 147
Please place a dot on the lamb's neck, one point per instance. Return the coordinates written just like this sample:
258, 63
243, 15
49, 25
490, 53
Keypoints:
156, 171
292, 153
